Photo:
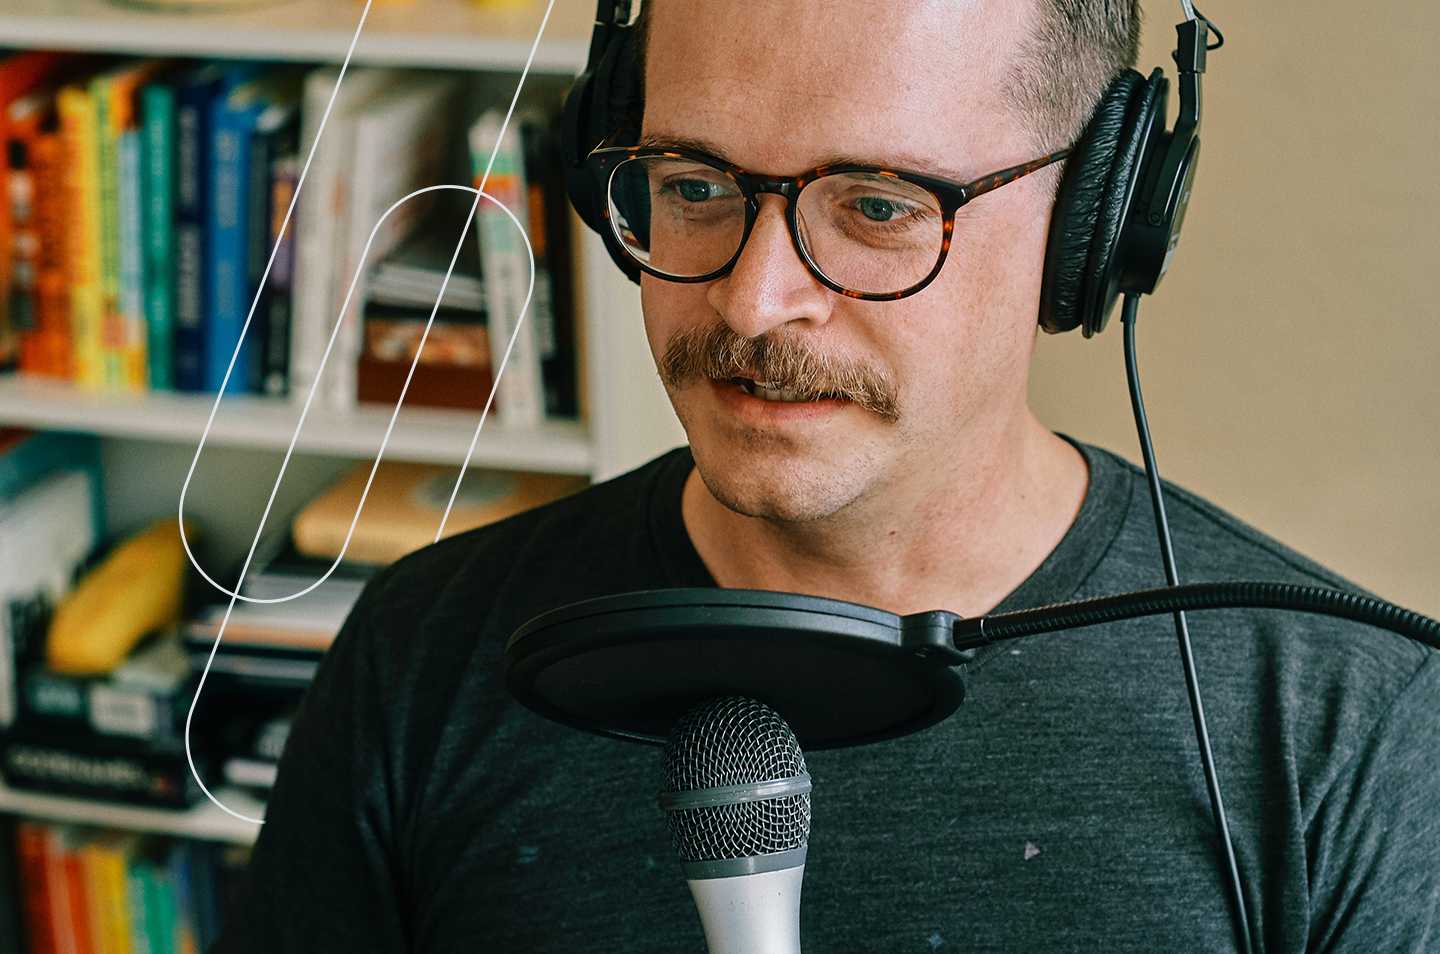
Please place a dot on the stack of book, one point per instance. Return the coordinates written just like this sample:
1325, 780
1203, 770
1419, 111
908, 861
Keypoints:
84, 888
143, 223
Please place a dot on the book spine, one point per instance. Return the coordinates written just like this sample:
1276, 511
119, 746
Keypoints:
157, 227
75, 927
554, 324
82, 187
506, 263
192, 190
132, 292
310, 293
37, 763
19, 250
264, 146
285, 173
138, 892
32, 848
225, 266
112, 336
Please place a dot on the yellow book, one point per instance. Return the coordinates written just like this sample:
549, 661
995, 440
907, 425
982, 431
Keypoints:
107, 861
80, 147
406, 503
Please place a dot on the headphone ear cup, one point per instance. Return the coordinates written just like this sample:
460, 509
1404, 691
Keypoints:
607, 98
1084, 222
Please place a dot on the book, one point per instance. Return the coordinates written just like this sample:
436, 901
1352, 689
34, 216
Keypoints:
41, 758
406, 502
275, 169
19, 74
401, 142
321, 210
80, 138
553, 305
237, 117
113, 92
46, 536
505, 260
157, 173
32, 845
196, 91
454, 369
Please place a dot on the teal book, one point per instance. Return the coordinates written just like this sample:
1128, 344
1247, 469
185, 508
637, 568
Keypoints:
157, 174
40, 454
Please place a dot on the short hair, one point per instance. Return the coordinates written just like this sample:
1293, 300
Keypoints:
1062, 69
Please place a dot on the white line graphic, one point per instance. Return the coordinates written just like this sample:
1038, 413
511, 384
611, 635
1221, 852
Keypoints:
478, 193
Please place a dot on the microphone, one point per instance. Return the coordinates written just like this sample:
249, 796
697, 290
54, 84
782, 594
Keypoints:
737, 801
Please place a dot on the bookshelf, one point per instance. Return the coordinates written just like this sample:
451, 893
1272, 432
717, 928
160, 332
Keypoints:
150, 437
204, 820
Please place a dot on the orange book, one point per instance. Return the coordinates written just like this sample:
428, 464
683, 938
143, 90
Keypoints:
69, 897
37, 285
18, 75
406, 502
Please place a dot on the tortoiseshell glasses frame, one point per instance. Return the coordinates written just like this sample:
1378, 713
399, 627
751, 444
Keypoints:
949, 194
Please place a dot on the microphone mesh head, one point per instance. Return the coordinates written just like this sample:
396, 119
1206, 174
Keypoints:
735, 741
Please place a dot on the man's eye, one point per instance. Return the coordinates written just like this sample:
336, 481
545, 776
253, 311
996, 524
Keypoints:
877, 209
693, 190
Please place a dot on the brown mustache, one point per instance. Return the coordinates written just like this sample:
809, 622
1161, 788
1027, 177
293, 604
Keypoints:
719, 353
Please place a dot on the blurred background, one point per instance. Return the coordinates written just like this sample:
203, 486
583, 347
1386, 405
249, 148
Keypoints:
1289, 357
151, 150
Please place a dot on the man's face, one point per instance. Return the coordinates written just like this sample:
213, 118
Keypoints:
778, 86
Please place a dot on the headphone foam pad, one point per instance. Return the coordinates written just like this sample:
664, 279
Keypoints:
1086, 215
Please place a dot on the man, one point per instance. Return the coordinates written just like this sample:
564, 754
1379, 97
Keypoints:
1062, 808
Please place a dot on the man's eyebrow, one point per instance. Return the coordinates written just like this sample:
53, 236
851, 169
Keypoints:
898, 161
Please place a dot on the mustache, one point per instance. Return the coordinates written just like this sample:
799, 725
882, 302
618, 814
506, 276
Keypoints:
717, 352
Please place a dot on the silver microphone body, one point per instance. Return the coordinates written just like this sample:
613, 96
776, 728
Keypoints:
737, 799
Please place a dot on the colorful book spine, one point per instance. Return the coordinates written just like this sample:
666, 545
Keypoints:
131, 254
225, 262
157, 147
82, 188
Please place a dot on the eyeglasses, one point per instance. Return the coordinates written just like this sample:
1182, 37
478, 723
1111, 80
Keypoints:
867, 232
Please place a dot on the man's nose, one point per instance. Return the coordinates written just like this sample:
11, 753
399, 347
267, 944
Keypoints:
770, 285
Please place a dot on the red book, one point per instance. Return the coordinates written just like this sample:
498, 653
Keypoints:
31, 845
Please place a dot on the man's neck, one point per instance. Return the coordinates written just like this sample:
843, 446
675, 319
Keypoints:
961, 542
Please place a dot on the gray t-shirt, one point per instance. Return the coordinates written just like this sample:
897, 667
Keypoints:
1062, 808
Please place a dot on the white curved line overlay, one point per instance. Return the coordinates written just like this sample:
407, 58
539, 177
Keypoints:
478, 193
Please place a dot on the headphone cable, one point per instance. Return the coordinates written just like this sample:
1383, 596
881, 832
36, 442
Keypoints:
1129, 312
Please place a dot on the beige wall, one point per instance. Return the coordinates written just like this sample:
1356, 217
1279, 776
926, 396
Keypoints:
1289, 358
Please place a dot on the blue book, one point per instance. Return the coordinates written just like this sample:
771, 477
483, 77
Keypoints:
195, 94
234, 121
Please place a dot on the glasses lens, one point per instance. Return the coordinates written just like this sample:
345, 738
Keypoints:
680, 217
870, 233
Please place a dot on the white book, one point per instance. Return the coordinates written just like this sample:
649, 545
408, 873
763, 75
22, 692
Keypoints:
45, 532
319, 213
400, 145
505, 263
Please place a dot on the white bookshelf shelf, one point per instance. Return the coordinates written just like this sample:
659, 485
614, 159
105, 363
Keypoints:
204, 820
420, 434
433, 33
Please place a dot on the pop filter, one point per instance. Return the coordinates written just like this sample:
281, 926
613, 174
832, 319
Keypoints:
839, 673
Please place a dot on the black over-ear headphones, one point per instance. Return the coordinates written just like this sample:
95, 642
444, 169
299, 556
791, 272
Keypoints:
1117, 213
